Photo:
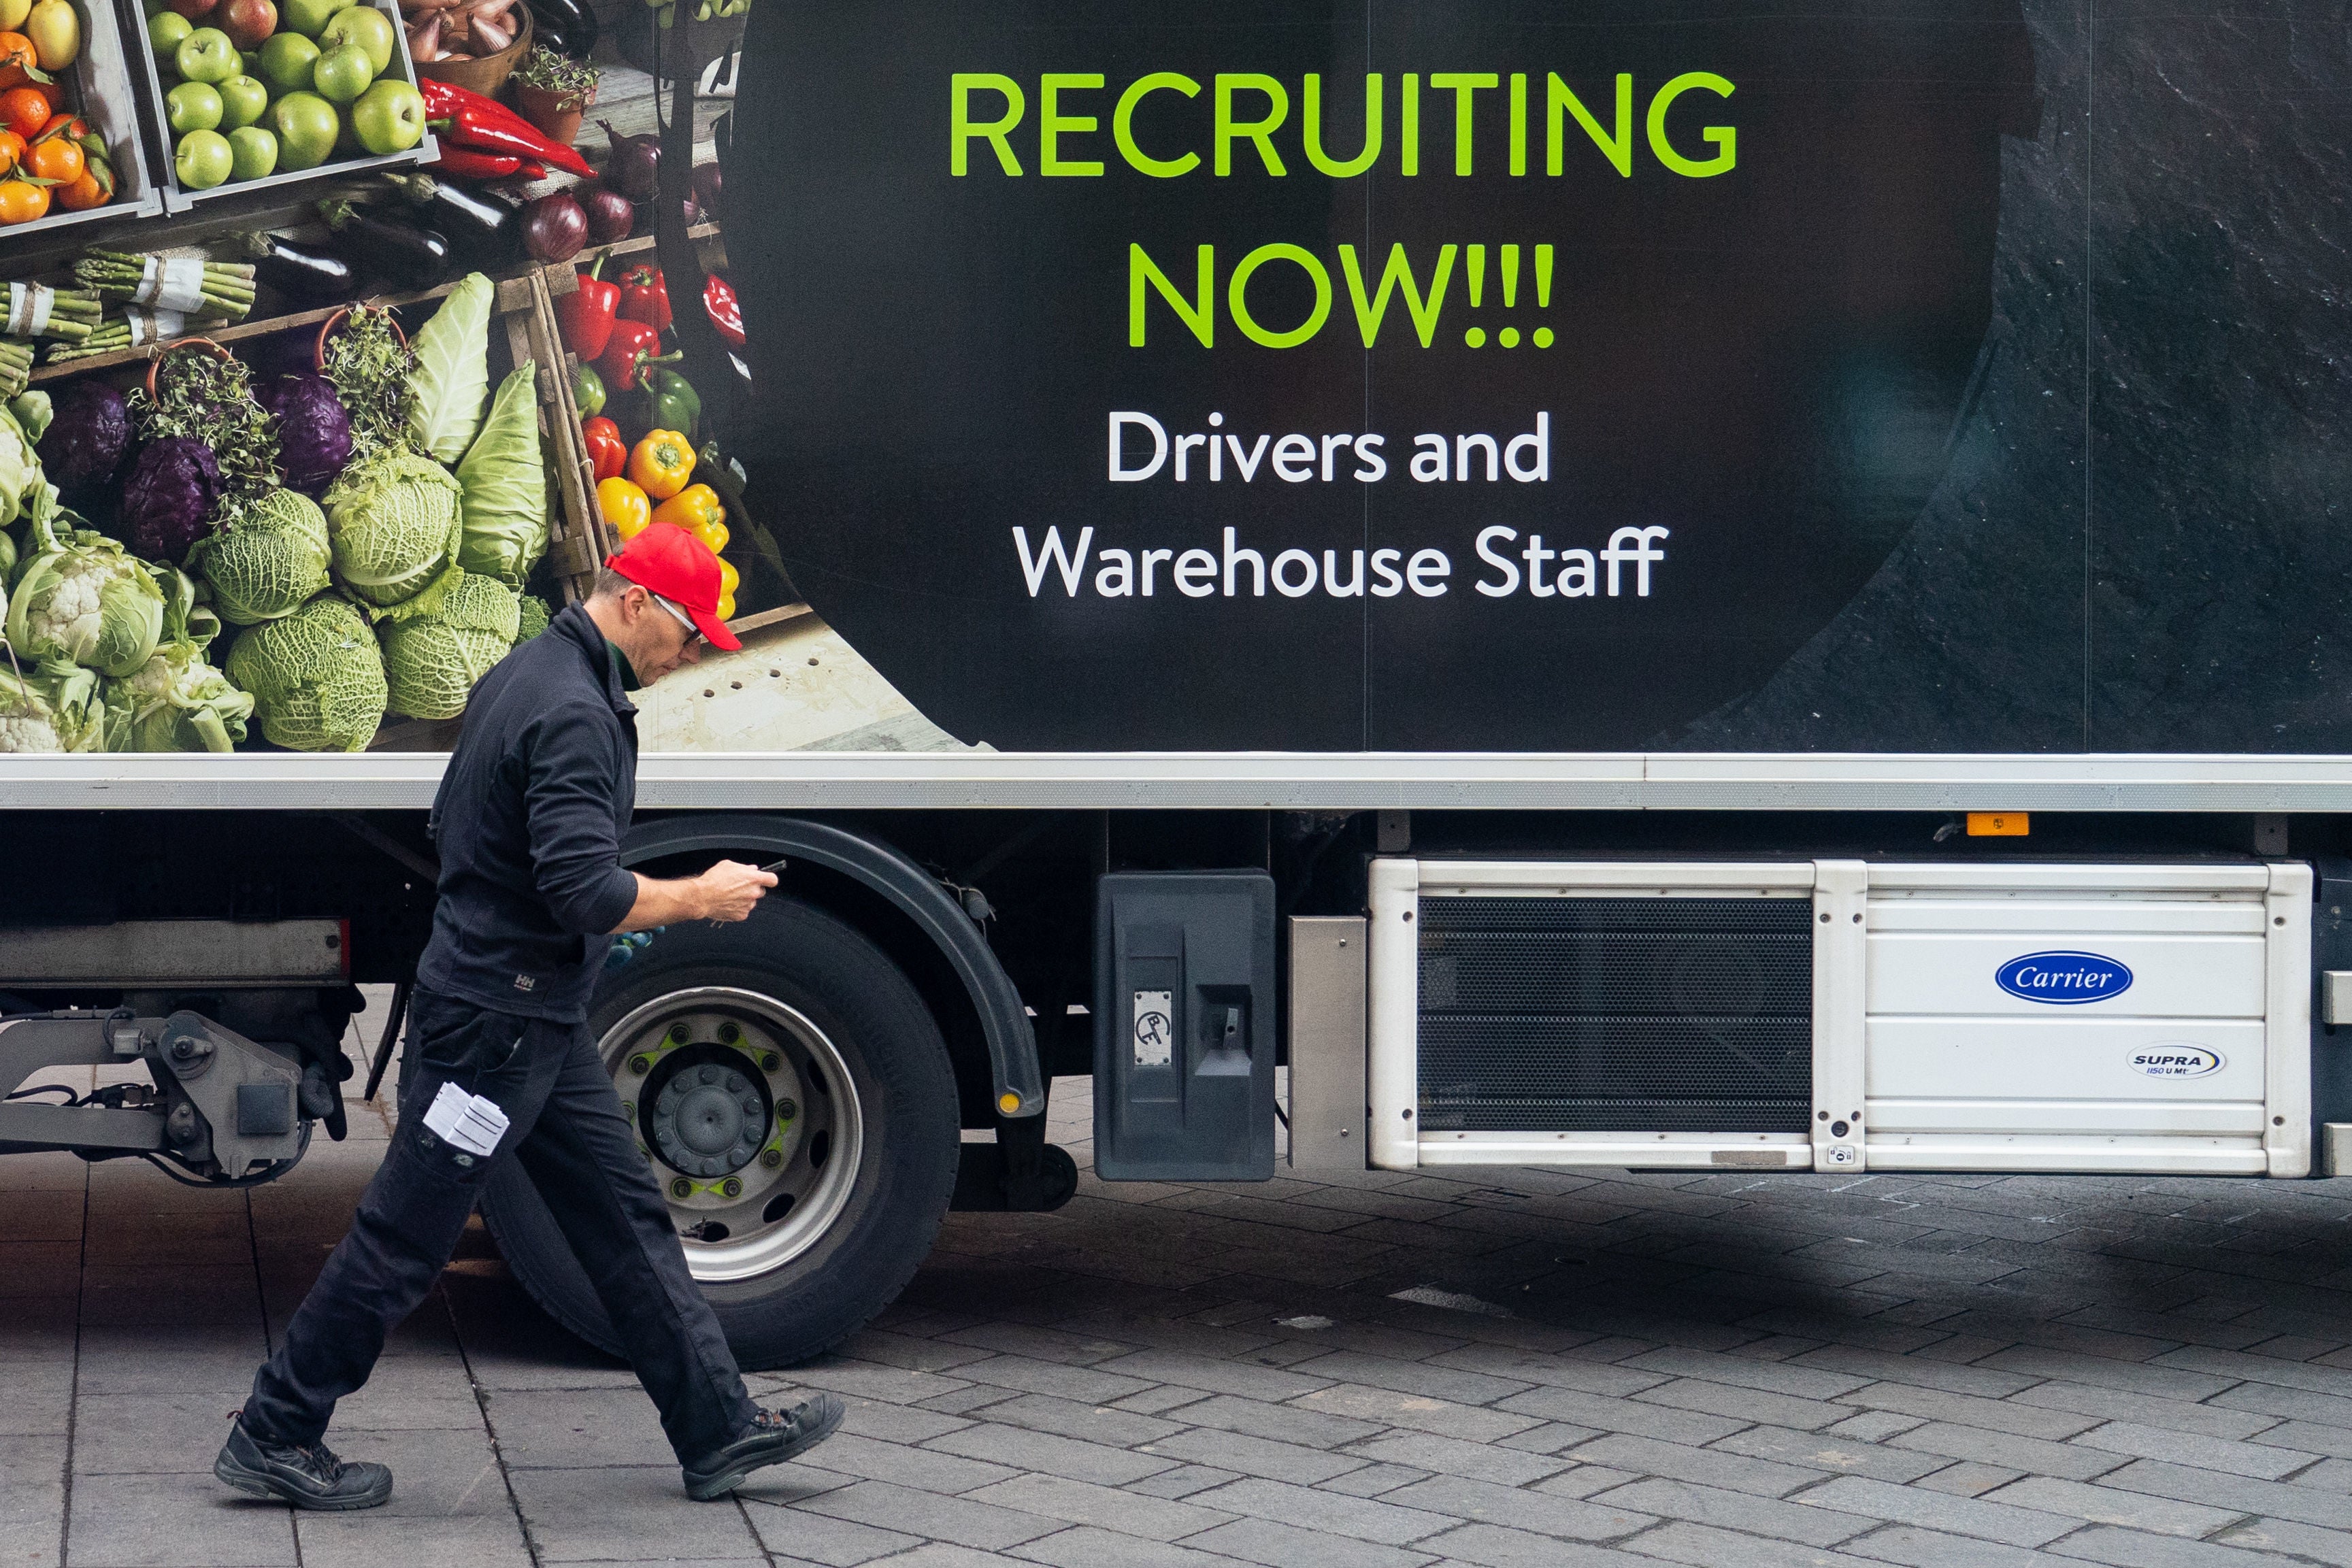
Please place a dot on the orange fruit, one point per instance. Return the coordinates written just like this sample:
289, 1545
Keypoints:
72, 125
25, 110
16, 57
12, 152
21, 201
56, 159
82, 195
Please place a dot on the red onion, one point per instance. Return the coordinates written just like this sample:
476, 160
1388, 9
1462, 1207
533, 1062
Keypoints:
707, 191
634, 168
611, 215
554, 227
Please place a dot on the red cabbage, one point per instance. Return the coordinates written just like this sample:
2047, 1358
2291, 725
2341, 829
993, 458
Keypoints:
314, 430
168, 501
82, 449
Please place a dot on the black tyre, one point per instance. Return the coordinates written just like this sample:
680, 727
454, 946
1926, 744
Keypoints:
795, 1100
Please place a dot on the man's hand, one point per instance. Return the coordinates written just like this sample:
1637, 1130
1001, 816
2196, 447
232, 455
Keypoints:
728, 891
731, 890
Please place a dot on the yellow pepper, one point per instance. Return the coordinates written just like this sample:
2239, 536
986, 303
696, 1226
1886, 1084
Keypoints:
661, 464
623, 507
712, 533
729, 579
694, 509
727, 607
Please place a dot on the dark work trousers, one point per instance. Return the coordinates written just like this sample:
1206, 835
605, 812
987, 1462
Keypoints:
567, 1130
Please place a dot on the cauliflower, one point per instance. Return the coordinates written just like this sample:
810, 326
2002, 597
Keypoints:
50, 706
80, 598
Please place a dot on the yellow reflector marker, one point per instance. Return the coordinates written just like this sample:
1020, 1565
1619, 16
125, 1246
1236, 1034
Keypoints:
1008, 1103
1999, 824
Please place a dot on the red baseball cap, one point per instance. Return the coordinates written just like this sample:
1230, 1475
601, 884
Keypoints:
665, 558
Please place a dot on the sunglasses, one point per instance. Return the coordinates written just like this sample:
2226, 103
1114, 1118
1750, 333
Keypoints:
694, 637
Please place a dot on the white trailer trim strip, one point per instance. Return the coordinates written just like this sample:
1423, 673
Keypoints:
1235, 780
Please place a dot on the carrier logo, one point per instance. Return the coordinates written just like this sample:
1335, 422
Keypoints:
2175, 1062
2063, 980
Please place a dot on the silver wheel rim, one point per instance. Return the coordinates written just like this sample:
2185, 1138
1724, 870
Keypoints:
693, 1069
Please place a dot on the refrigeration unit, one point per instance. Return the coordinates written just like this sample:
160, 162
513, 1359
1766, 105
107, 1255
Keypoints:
1841, 1015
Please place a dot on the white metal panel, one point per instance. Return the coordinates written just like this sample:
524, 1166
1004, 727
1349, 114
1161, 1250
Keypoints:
2103, 1118
1622, 1151
1617, 879
2196, 914
1841, 958
2287, 1141
2060, 1059
2245, 878
2172, 977
2038, 1151
735, 780
1394, 1071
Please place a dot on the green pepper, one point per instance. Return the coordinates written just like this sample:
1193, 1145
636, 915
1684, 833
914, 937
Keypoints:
587, 390
671, 403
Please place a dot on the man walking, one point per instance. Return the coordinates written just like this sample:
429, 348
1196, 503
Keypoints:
529, 821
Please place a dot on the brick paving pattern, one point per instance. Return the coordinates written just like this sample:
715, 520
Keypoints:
1593, 1370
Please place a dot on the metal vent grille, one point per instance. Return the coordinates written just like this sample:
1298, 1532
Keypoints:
1616, 1014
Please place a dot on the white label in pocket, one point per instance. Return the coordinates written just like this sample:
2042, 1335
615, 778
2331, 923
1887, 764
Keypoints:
468, 1120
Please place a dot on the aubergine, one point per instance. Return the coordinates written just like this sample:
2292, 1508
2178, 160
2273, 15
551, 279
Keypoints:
305, 272
408, 254
483, 226
570, 21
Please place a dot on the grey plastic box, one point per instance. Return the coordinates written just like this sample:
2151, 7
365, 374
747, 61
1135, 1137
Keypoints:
110, 102
1185, 1031
176, 200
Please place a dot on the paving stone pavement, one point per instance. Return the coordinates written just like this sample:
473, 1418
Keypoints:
1588, 1370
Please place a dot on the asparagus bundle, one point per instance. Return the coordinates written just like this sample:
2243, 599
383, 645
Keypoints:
15, 367
212, 288
36, 311
132, 326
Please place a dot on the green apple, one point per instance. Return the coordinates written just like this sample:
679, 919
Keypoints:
285, 62
309, 17
242, 102
207, 56
166, 31
306, 126
389, 117
341, 75
193, 106
204, 160
363, 25
256, 151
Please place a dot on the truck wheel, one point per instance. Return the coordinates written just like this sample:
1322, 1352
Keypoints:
794, 1097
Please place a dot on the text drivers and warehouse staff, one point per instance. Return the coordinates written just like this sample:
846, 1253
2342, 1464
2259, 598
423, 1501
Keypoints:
530, 820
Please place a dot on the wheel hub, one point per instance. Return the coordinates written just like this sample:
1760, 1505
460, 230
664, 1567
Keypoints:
709, 1121
750, 1117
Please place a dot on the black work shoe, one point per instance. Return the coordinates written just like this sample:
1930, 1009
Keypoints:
306, 1478
775, 1436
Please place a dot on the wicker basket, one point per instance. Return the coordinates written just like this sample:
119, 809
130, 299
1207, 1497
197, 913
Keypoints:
489, 74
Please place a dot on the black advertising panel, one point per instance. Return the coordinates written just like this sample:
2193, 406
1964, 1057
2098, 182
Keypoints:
1535, 377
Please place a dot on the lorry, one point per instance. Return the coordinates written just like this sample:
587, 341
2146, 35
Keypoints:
1686, 587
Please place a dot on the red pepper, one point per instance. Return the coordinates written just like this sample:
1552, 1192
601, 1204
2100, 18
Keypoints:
478, 123
645, 297
632, 346
606, 450
470, 165
725, 313
585, 315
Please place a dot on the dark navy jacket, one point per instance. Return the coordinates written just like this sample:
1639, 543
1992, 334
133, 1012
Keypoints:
529, 821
